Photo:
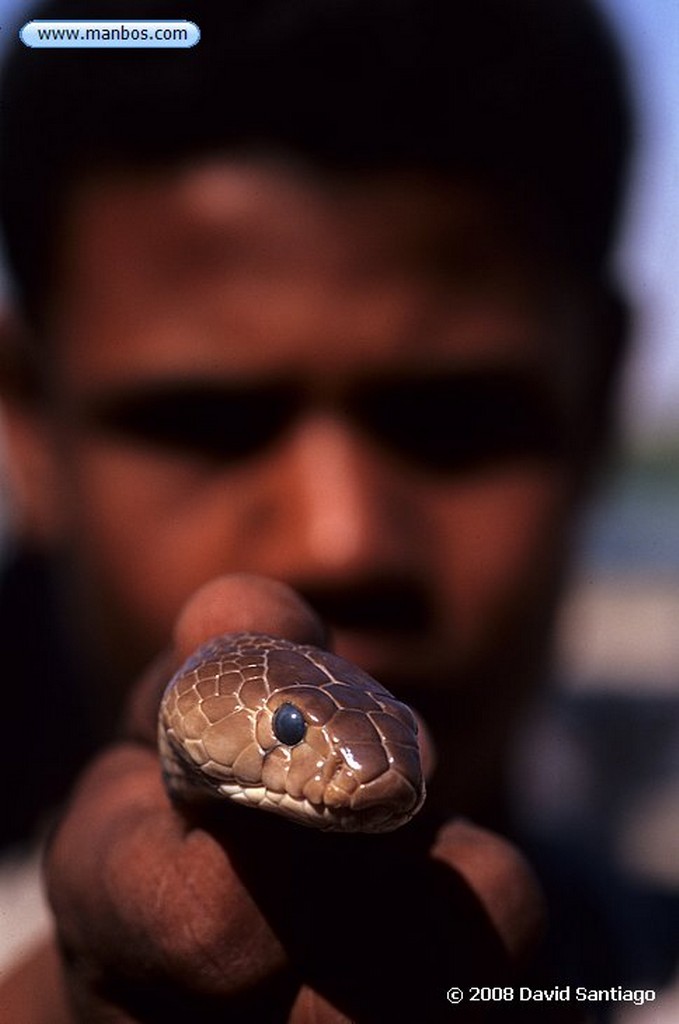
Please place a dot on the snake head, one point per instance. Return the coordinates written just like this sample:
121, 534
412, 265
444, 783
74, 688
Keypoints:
293, 730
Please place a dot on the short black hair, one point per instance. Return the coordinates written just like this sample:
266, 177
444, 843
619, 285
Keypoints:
528, 93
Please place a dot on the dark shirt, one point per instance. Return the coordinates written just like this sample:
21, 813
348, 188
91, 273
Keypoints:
45, 737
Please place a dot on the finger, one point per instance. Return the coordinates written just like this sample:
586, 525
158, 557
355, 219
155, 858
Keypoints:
502, 880
138, 893
130, 880
34, 991
227, 604
427, 746
245, 603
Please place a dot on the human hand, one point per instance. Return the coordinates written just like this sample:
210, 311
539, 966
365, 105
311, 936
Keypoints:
161, 918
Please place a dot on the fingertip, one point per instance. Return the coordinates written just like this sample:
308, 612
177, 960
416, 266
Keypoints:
242, 602
502, 879
427, 746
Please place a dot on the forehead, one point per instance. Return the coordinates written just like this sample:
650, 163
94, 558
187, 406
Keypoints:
254, 266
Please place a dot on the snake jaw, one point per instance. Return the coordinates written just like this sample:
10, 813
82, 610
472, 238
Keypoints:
333, 799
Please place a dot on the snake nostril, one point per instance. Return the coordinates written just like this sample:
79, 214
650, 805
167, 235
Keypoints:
288, 725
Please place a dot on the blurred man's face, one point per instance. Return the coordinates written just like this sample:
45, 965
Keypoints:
360, 387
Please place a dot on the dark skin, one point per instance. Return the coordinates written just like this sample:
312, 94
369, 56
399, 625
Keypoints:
240, 928
337, 287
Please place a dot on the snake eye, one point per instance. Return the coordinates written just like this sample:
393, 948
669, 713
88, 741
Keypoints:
288, 724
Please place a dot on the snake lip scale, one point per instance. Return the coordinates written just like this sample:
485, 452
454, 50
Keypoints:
290, 729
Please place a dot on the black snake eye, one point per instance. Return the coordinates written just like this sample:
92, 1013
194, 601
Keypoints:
288, 724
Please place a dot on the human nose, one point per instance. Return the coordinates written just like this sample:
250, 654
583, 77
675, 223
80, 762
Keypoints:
346, 514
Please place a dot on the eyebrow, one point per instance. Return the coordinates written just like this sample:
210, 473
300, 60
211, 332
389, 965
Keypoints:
218, 419
442, 419
448, 421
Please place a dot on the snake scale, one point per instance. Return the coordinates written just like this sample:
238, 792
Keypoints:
291, 729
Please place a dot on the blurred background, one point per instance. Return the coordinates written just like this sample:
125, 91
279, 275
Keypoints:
608, 744
599, 766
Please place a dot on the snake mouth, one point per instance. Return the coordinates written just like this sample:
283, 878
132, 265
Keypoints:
352, 815
332, 800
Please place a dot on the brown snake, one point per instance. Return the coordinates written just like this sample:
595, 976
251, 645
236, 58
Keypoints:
290, 729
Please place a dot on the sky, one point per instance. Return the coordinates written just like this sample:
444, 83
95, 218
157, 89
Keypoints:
648, 254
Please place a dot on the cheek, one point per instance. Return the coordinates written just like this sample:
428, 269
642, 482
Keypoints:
502, 540
147, 531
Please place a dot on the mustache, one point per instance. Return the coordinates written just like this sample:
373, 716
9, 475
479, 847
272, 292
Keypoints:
378, 604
